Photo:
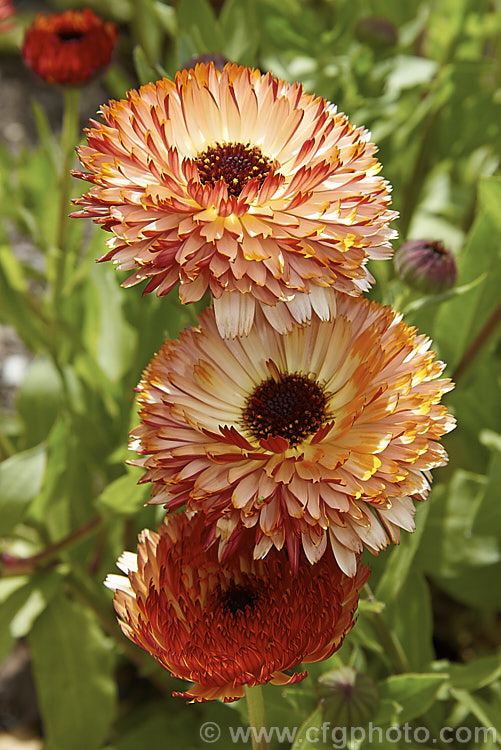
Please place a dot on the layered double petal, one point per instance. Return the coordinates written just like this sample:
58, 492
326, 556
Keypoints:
227, 626
239, 184
321, 436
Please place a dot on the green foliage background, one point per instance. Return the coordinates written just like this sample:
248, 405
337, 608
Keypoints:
427, 81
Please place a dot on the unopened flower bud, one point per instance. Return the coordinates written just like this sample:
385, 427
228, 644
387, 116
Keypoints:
426, 265
349, 698
216, 58
376, 31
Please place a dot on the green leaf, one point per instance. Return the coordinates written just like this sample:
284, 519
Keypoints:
478, 587
309, 736
167, 17
449, 546
240, 30
46, 135
145, 72
388, 712
486, 714
38, 592
123, 496
107, 334
196, 18
22, 599
414, 692
410, 617
488, 516
17, 302
409, 71
20, 482
142, 727
13, 594
459, 320
477, 674
73, 672
399, 561
489, 196
148, 31
39, 399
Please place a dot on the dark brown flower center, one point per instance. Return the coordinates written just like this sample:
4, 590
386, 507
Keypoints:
235, 163
70, 35
237, 599
292, 406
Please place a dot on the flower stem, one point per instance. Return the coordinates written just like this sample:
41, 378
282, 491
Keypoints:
387, 639
477, 343
68, 141
257, 718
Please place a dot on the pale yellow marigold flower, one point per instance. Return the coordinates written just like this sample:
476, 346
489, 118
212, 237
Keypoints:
324, 435
241, 184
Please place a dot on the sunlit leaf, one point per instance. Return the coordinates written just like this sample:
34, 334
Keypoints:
20, 482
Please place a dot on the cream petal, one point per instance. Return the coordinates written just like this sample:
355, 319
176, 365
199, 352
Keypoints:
279, 317
127, 562
118, 583
300, 308
345, 558
314, 549
234, 314
401, 513
323, 302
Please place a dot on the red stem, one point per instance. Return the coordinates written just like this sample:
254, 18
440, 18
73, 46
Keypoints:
14, 566
477, 343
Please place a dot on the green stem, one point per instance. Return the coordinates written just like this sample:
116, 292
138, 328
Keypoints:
69, 136
387, 639
257, 718
470, 354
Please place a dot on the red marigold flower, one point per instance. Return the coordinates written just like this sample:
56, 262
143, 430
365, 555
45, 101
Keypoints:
225, 626
69, 48
241, 184
426, 265
7, 10
322, 434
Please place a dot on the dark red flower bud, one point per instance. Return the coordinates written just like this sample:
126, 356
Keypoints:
216, 58
376, 31
426, 265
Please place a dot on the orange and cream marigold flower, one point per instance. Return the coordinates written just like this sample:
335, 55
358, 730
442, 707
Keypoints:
241, 184
324, 434
225, 626
69, 48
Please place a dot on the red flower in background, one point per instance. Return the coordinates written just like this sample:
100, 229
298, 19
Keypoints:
6, 11
70, 47
228, 625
